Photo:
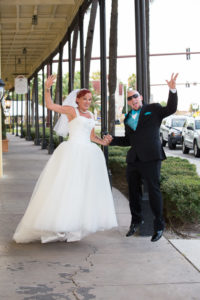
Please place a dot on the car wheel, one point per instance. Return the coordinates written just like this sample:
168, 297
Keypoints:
163, 142
196, 150
171, 145
185, 149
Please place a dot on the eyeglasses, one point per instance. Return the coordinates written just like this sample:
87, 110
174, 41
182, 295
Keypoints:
136, 95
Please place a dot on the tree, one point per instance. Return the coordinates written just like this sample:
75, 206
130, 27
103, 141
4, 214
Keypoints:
132, 81
163, 103
95, 104
96, 75
112, 83
89, 42
193, 107
66, 80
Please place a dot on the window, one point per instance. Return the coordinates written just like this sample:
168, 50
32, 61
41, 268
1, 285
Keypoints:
197, 124
178, 122
191, 124
168, 123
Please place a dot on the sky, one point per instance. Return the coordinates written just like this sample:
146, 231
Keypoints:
174, 26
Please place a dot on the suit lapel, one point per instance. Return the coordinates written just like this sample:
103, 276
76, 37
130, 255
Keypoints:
127, 116
140, 117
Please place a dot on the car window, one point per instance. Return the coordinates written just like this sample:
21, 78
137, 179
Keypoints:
197, 124
185, 123
168, 122
178, 122
191, 124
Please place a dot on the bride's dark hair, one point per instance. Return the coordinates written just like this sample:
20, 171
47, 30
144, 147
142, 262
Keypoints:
82, 93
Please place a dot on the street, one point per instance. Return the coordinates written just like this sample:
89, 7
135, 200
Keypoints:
190, 156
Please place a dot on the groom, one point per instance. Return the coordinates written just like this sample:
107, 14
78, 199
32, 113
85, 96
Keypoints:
142, 133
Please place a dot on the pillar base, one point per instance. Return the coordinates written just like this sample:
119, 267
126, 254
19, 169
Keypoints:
36, 142
44, 144
51, 148
28, 138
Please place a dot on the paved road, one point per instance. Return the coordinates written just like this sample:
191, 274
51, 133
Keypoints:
190, 156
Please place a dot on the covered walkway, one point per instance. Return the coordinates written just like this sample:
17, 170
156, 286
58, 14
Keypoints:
103, 266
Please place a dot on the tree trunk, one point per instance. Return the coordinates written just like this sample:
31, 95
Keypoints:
74, 47
89, 42
112, 81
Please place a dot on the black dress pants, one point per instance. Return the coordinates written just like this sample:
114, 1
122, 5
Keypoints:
150, 171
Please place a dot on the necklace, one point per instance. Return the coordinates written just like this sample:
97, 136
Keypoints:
83, 112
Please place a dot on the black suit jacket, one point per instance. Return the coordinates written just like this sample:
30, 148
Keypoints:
145, 140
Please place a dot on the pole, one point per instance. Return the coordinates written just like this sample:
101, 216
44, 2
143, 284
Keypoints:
44, 142
104, 120
60, 81
13, 114
82, 57
37, 137
70, 64
51, 144
144, 52
17, 116
29, 114
22, 102
142, 87
138, 46
1, 156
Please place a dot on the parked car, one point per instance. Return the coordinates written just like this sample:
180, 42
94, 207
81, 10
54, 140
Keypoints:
191, 136
171, 131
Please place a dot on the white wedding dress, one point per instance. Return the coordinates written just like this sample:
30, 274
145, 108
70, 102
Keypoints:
72, 197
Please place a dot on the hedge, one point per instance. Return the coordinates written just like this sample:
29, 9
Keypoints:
180, 186
47, 135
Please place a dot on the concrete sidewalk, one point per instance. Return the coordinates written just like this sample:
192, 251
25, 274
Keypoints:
103, 266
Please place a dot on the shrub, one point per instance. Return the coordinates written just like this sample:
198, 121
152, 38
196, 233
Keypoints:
47, 134
180, 185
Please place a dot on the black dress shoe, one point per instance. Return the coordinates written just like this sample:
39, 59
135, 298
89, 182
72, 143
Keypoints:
157, 235
133, 228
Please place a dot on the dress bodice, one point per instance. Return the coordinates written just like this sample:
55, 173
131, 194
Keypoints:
80, 128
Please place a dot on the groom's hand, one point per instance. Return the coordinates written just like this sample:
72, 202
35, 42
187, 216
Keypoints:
107, 139
172, 82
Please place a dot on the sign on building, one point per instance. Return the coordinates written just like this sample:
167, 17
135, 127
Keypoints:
21, 85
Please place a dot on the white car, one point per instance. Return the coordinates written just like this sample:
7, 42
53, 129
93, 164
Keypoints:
191, 136
171, 130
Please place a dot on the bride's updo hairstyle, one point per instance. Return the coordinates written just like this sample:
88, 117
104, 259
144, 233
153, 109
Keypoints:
82, 93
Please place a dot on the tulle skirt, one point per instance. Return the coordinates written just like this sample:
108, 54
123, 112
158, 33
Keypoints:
72, 197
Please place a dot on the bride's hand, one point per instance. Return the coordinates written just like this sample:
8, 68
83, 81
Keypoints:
50, 81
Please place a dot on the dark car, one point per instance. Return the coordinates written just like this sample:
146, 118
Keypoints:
171, 131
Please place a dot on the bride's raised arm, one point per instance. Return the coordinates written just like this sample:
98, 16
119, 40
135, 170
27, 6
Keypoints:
69, 110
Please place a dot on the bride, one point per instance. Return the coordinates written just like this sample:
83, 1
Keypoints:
72, 197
